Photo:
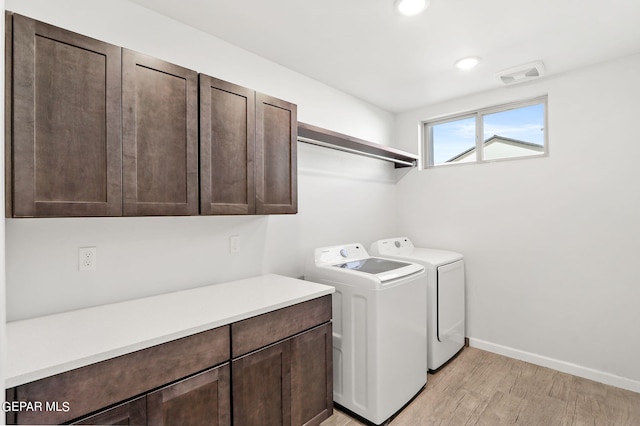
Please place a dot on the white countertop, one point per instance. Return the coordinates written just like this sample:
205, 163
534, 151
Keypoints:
52, 344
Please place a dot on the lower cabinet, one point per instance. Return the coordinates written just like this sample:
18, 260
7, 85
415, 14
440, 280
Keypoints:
289, 383
273, 369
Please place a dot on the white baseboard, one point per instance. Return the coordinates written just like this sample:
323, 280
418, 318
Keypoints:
555, 364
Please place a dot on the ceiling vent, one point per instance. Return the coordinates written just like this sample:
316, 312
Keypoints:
521, 73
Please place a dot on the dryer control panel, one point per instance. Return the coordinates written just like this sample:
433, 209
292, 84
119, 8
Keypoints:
393, 246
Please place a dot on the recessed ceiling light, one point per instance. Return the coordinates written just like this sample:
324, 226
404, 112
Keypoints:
411, 7
467, 63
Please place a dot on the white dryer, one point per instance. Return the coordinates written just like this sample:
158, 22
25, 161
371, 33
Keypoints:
445, 295
379, 329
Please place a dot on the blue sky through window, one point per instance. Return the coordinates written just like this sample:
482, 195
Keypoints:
455, 137
524, 124
452, 138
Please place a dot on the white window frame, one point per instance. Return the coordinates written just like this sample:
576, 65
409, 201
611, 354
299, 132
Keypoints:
427, 138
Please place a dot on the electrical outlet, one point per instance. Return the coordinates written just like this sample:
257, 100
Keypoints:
87, 259
234, 244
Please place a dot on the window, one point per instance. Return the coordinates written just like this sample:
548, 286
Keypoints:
508, 131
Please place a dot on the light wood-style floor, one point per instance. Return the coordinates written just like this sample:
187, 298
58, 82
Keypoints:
482, 388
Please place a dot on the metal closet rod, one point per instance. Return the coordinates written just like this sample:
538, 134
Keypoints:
355, 151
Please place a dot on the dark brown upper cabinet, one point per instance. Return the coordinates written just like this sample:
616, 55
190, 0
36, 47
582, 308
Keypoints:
96, 130
160, 137
227, 147
247, 151
276, 156
66, 125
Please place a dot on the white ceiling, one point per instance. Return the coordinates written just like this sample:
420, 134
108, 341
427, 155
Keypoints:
363, 47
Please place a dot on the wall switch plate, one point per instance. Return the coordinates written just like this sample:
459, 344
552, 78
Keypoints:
234, 244
87, 259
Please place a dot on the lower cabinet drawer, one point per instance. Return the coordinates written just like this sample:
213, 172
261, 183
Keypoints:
88, 389
263, 330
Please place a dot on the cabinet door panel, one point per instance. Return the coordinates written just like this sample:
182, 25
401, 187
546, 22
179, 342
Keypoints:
66, 123
312, 376
203, 399
276, 156
227, 145
129, 413
262, 387
160, 166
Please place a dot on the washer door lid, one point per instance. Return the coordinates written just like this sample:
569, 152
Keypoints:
384, 269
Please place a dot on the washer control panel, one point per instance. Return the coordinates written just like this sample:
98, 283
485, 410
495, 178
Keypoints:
340, 254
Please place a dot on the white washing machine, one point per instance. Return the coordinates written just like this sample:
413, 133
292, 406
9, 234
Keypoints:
445, 295
379, 329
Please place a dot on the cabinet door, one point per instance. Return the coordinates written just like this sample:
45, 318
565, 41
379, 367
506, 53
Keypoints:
129, 413
262, 387
160, 142
227, 146
8, 116
276, 156
312, 376
66, 126
203, 399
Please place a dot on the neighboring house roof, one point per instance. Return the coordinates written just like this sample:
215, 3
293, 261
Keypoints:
499, 139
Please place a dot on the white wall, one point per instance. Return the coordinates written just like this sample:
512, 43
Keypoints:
551, 244
342, 197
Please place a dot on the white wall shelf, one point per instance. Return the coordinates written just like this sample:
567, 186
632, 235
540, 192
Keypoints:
330, 139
